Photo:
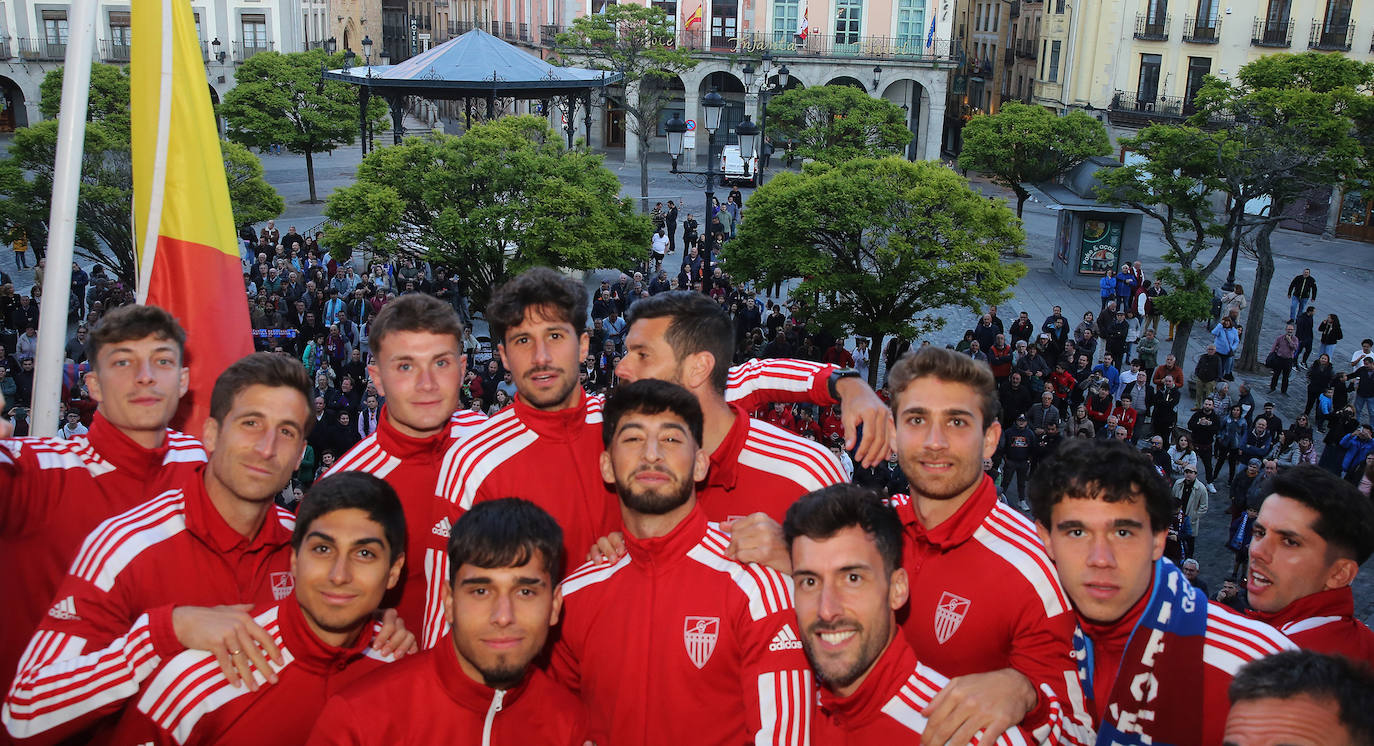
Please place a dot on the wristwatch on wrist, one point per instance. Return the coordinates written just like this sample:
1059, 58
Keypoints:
837, 376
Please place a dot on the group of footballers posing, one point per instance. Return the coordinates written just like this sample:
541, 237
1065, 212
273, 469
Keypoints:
736, 590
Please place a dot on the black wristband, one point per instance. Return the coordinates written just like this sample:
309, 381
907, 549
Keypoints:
835, 378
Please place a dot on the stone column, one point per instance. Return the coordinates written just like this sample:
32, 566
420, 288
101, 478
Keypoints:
933, 126
691, 109
631, 140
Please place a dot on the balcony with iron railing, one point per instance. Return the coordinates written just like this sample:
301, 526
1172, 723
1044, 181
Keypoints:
1152, 28
1331, 37
851, 46
1026, 48
1201, 30
1015, 9
507, 30
114, 51
1266, 33
523, 32
1131, 108
5, 48
548, 33
1008, 57
39, 49
243, 50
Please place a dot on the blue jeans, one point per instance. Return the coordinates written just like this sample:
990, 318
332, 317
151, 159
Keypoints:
1363, 403
1297, 306
1227, 361
1327, 350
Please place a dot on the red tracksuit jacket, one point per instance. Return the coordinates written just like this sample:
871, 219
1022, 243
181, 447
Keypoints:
762, 468
56, 491
1324, 622
985, 596
112, 617
676, 644
187, 701
427, 698
886, 708
411, 467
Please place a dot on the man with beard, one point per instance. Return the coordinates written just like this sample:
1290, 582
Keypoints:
739, 675
417, 365
500, 600
846, 548
1313, 532
1155, 658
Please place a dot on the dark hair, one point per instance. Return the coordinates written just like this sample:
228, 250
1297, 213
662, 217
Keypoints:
951, 367
1297, 673
827, 511
128, 323
415, 312
1345, 518
259, 369
650, 396
1110, 470
354, 489
507, 532
539, 287
698, 325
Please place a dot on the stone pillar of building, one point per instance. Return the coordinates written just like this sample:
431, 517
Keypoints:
631, 139
934, 124
691, 99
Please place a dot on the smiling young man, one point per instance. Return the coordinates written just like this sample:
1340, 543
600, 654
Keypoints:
1154, 657
346, 553
56, 491
1301, 698
478, 685
846, 548
675, 643
1312, 534
137, 587
417, 365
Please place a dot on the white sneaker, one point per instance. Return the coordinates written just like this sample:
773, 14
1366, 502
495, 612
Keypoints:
1212, 489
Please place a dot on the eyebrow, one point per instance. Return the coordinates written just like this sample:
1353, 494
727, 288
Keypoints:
923, 410
523, 581
365, 541
1070, 525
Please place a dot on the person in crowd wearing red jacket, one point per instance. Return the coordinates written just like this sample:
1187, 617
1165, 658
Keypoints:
1301, 696
139, 586
1313, 532
736, 673
1104, 515
846, 549
346, 551
478, 685
57, 491
417, 363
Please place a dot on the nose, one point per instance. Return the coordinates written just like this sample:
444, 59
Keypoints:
1259, 548
830, 606
503, 611
935, 439
542, 355
623, 370
1100, 553
426, 380
145, 371
339, 571
267, 443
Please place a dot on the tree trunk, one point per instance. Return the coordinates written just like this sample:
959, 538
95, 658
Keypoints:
1180, 348
875, 357
1021, 197
1254, 321
643, 168
310, 174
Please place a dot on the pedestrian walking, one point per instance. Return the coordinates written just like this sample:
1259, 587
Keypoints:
20, 244
1301, 292
1304, 326
1281, 358
1330, 334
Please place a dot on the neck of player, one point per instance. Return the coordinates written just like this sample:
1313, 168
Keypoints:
648, 526
717, 418
932, 512
152, 439
244, 515
334, 638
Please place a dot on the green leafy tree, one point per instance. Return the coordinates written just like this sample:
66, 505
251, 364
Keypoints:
501, 198
883, 245
1027, 144
1295, 123
834, 123
105, 199
638, 43
282, 99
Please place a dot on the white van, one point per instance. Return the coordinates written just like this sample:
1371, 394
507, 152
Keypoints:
733, 168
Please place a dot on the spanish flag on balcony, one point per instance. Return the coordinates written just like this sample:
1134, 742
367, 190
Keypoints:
188, 251
695, 18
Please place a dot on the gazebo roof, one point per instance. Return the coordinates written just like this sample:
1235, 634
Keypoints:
475, 65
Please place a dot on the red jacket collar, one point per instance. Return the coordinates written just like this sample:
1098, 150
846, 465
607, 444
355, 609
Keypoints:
397, 443
724, 471
883, 681
465, 692
307, 650
671, 546
121, 450
959, 527
564, 424
204, 521
1335, 602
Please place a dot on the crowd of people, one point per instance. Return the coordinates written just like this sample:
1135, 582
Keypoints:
620, 497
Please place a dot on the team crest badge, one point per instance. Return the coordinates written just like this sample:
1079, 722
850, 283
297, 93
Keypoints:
949, 614
282, 585
700, 633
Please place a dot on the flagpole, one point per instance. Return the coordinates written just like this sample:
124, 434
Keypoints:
57, 276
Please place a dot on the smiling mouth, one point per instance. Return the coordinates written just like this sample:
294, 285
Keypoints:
1258, 581
502, 643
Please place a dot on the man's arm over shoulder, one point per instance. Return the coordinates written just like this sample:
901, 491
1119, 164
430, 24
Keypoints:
776, 680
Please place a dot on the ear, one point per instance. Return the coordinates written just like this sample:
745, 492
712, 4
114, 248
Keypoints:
607, 469
701, 464
991, 437
898, 589
446, 599
1044, 532
695, 369
584, 343
1341, 573
557, 605
183, 382
1160, 539
393, 576
293, 564
210, 434
501, 350
376, 378
93, 386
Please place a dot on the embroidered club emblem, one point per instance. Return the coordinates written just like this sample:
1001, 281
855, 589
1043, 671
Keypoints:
699, 633
949, 614
282, 585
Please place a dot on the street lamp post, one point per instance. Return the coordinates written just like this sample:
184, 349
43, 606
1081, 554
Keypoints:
712, 104
765, 92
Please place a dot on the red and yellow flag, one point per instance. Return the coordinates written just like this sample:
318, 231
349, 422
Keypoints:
695, 18
188, 250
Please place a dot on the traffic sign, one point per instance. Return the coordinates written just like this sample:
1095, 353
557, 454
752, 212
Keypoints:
691, 125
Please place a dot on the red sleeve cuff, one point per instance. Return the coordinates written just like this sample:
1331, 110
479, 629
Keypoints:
164, 635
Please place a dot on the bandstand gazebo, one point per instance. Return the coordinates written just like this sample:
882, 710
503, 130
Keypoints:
472, 68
